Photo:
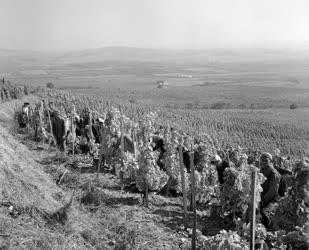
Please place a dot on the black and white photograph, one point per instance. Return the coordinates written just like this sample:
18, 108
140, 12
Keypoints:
154, 124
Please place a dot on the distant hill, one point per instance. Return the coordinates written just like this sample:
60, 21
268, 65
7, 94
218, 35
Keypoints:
23, 58
128, 54
179, 56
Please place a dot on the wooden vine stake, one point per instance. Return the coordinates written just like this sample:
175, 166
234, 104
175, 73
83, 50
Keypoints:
90, 125
50, 123
122, 142
253, 209
183, 183
134, 142
122, 150
73, 134
101, 150
193, 242
146, 193
145, 198
43, 140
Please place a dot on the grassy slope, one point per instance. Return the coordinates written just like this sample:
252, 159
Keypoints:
24, 184
27, 174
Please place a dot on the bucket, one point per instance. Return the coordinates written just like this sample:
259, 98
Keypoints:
84, 148
96, 162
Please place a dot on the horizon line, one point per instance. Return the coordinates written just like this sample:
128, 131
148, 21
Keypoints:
222, 48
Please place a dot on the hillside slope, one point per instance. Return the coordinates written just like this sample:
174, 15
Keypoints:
22, 179
26, 188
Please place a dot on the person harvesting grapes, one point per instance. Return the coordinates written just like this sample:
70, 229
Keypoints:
269, 196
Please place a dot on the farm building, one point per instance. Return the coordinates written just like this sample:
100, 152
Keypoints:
161, 84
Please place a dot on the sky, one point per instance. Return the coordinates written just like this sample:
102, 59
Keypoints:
49, 25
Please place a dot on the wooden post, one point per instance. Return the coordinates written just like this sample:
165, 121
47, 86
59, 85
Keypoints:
121, 142
90, 125
100, 152
98, 167
193, 200
65, 171
122, 151
146, 191
42, 123
253, 209
50, 123
146, 194
73, 133
133, 139
183, 183
135, 144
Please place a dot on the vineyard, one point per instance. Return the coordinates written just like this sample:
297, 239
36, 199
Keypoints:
124, 146
257, 127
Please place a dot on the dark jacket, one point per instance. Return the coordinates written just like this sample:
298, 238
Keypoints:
270, 186
283, 187
58, 129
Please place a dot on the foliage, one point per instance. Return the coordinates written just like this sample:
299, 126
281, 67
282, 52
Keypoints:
149, 172
129, 169
206, 184
263, 129
296, 239
9, 91
293, 106
50, 85
220, 105
126, 238
235, 194
225, 240
293, 209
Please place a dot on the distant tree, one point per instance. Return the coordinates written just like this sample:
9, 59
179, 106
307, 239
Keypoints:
293, 106
196, 104
189, 105
50, 85
220, 105
242, 106
132, 100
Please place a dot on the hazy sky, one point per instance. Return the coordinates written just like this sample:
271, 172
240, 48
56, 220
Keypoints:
180, 24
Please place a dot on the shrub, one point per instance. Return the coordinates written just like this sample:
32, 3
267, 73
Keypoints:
189, 105
220, 105
293, 106
132, 100
50, 85
242, 106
